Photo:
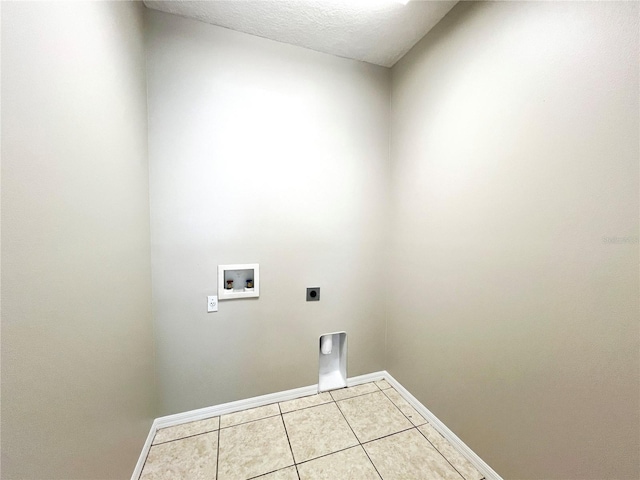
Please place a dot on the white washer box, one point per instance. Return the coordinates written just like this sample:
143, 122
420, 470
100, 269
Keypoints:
239, 273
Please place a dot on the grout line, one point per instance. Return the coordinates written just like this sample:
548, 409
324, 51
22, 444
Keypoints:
442, 454
389, 435
182, 438
358, 395
293, 457
345, 419
370, 461
359, 442
147, 457
272, 471
306, 408
251, 421
218, 454
406, 416
327, 454
145, 463
280, 409
328, 401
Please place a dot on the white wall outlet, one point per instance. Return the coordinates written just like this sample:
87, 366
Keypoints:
212, 303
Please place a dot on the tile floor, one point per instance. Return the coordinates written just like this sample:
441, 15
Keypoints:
359, 433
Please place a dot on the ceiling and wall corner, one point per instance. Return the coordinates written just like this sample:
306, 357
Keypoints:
373, 31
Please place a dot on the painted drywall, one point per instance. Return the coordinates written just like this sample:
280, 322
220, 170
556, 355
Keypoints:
77, 342
514, 214
262, 152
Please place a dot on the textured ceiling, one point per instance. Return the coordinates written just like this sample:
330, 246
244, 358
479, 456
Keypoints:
374, 31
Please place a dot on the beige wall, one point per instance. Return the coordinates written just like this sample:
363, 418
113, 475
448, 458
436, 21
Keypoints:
262, 152
77, 352
515, 153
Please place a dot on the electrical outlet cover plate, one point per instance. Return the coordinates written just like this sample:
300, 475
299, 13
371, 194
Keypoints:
313, 294
212, 303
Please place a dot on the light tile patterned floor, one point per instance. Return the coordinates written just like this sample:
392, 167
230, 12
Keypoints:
366, 432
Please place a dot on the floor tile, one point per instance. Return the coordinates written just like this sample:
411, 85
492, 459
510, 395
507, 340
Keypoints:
409, 455
382, 384
373, 416
186, 430
318, 431
304, 402
460, 463
193, 458
253, 449
353, 391
289, 473
405, 407
350, 464
249, 415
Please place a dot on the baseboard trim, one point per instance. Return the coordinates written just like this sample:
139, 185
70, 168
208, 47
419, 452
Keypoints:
369, 377
230, 407
452, 438
145, 450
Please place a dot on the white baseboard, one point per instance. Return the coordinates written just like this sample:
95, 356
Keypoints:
452, 438
222, 409
369, 377
145, 451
